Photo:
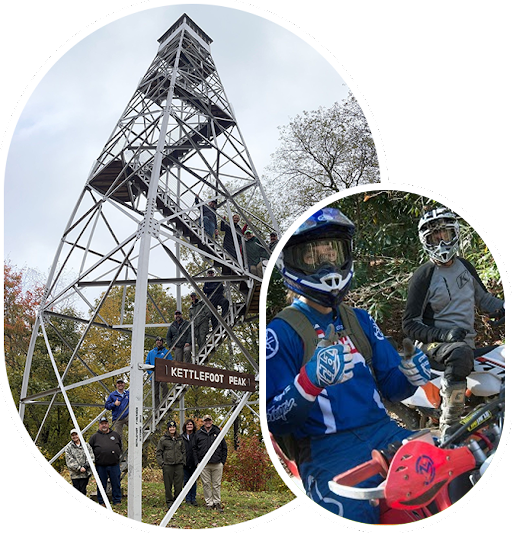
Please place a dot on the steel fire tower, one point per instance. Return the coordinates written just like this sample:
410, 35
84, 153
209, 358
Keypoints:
138, 221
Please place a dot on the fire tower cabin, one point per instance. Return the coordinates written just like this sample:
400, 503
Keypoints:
123, 181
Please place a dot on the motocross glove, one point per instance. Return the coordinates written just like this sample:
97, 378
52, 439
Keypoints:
498, 316
453, 335
331, 364
416, 368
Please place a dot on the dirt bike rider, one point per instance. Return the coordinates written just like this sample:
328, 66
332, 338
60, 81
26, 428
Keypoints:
325, 395
440, 309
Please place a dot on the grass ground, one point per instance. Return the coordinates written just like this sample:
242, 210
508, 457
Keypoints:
239, 506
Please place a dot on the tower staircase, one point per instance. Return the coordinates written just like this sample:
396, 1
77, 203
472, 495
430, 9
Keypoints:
176, 146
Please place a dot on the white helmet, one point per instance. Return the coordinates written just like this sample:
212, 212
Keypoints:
439, 234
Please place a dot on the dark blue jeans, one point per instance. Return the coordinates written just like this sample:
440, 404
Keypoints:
114, 473
187, 474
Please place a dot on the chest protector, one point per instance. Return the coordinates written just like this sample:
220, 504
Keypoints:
293, 448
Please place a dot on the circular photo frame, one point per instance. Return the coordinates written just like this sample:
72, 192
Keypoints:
384, 356
96, 69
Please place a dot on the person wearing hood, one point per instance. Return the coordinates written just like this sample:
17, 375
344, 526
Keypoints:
211, 474
171, 457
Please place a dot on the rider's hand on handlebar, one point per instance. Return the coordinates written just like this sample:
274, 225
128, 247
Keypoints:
416, 368
498, 316
331, 363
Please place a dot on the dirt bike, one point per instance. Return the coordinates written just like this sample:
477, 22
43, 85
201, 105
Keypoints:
423, 477
422, 409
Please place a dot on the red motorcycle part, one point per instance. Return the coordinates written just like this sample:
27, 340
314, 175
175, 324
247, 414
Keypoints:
358, 474
420, 471
290, 464
390, 516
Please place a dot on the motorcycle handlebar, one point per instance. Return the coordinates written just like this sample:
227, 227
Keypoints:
481, 416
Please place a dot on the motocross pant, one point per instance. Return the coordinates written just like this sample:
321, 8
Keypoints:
457, 358
333, 454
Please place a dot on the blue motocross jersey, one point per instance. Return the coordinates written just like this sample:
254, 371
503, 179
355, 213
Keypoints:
342, 407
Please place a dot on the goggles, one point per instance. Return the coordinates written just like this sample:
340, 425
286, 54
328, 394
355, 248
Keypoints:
440, 232
308, 257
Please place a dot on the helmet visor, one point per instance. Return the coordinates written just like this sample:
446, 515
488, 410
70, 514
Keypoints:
308, 257
440, 232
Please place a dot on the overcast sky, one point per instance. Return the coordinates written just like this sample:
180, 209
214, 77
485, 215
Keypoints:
269, 74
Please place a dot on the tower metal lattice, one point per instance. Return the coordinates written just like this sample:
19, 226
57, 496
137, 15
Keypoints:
137, 222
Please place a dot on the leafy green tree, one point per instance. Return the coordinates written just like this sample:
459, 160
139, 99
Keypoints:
387, 251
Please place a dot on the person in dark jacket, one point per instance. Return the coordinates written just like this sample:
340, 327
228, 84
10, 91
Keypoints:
256, 253
209, 216
214, 291
229, 244
188, 436
200, 315
211, 475
171, 456
180, 329
107, 448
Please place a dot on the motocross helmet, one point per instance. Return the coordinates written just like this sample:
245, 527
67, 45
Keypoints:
316, 262
439, 234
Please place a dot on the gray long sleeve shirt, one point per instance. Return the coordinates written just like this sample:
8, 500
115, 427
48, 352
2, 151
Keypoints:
444, 297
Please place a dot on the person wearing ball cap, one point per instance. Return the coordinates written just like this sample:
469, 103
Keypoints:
77, 462
108, 448
327, 365
211, 475
171, 455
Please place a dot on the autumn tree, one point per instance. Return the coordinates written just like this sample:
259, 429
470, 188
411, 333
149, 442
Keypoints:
20, 307
321, 152
51, 427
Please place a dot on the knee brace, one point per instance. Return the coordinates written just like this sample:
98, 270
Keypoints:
459, 363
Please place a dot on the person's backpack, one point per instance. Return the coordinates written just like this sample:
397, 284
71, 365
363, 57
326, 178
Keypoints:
303, 327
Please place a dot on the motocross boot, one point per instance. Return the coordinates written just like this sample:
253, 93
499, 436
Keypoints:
452, 406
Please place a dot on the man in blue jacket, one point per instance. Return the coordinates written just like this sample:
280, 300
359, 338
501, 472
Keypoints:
159, 351
117, 402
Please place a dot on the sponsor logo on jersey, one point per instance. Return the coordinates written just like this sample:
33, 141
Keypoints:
272, 343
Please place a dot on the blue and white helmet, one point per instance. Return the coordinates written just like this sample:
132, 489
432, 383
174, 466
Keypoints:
439, 234
316, 262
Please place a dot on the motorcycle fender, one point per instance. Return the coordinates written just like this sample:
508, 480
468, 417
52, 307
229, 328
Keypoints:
484, 384
427, 395
419, 471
